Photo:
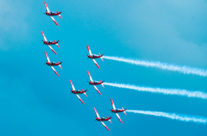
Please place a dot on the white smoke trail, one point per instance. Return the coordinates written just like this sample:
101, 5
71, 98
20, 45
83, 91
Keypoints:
173, 116
179, 92
164, 66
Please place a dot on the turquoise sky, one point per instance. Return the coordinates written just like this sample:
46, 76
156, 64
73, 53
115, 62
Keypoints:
34, 101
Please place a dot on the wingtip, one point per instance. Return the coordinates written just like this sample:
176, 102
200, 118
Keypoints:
107, 128
112, 101
71, 82
82, 101
120, 120
88, 47
99, 92
54, 52
55, 23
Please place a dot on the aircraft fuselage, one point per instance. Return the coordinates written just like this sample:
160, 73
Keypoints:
50, 42
78, 92
96, 83
117, 110
53, 63
95, 56
103, 119
52, 13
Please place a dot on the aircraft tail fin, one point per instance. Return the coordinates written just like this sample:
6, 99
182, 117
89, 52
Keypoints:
60, 16
59, 65
124, 111
101, 57
85, 93
109, 120
57, 43
102, 84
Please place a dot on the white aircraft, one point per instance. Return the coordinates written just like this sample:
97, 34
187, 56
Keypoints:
94, 83
101, 119
116, 111
74, 91
51, 64
49, 43
51, 14
94, 56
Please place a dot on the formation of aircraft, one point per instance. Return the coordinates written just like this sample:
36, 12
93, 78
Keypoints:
94, 83
91, 82
49, 43
102, 119
52, 64
76, 92
116, 111
94, 56
51, 14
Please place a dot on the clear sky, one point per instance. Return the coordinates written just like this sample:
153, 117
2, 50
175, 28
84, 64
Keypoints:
35, 102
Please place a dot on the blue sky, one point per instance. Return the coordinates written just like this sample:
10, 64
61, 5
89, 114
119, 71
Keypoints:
34, 101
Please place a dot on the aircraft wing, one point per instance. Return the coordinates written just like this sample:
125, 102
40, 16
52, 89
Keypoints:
119, 117
89, 50
97, 89
79, 98
96, 113
72, 85
113, 105
105, 125
45, 39
96, 63
54, 20
90, 76
52, 49
48, 59
54, 70
48, 10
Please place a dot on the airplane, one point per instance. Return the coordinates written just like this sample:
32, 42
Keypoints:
94, 56
101, 119
94, 83
116, 111
51, 14
74, 91
51, 64
48, 43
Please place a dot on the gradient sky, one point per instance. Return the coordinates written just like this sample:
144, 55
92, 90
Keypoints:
34, 101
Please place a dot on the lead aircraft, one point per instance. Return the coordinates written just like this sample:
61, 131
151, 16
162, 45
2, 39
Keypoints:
94, 56
51, 14
94, 83
48, 43
101, 119
116, 111
74, 91
52, 64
